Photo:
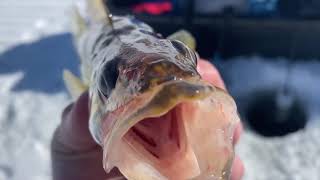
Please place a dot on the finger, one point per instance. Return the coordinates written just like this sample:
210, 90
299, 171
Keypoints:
80, 166
73, 131
237, 133
237, 170
209, 73
75, 155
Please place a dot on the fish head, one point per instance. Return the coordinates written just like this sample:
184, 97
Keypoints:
156, 118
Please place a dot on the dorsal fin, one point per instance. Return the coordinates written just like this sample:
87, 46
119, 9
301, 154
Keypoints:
99, 11
79, 24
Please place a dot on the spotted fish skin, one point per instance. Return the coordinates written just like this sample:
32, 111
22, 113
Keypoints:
132, 55
130, 44
145, 88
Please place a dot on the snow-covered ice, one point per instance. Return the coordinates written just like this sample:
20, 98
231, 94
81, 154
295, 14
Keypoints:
24, 21
32, 97
294, 156
27, 120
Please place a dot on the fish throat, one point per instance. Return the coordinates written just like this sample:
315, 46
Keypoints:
161, 137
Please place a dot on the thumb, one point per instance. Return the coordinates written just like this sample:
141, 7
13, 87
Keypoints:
73, 132
74, 153
209, 73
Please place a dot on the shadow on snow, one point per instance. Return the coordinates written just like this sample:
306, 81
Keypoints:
42, 63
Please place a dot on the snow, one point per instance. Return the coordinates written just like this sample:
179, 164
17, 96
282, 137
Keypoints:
294, 156
27, 122
24, 21
32, 96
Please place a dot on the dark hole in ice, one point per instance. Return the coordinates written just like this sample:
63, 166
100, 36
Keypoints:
269, 117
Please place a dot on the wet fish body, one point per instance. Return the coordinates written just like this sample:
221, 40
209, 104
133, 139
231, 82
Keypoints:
149, 107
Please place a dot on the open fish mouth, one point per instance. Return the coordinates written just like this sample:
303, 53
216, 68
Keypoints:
181, 130
159, 138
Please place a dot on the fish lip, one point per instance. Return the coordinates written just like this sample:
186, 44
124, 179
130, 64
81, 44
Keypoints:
199, 90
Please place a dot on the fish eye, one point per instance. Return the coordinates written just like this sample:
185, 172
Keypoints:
179, 46
184, 50
109, 76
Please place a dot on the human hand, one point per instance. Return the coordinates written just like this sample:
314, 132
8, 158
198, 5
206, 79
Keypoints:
76, 156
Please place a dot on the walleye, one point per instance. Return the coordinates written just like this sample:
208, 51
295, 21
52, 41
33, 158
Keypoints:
150, 110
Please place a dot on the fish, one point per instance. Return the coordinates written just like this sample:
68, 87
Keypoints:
152, 113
